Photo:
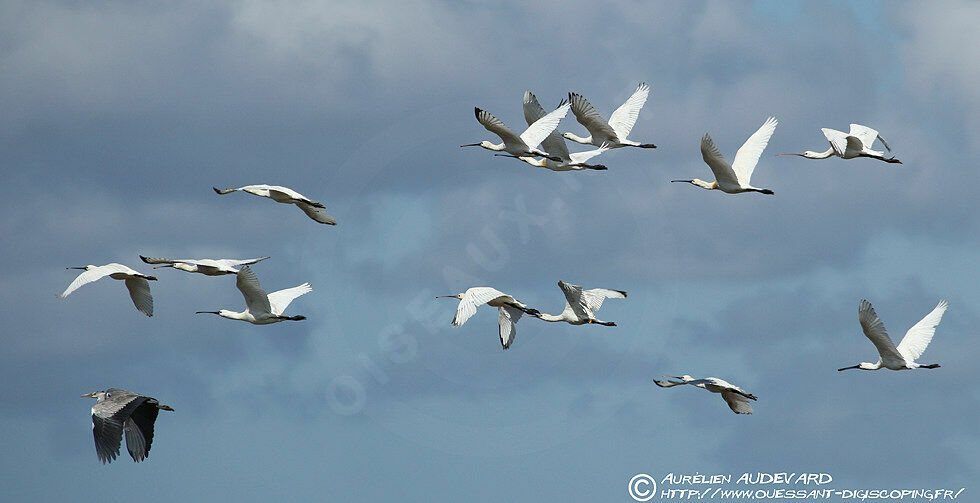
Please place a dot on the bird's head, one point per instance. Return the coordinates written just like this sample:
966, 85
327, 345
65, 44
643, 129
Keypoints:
684, 377
457, 296
567, 135
98, 395
86, 268
221, 312
182, 266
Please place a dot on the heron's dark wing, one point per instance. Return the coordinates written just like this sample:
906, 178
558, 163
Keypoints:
139, 430
738, 403
108, 417
108, 435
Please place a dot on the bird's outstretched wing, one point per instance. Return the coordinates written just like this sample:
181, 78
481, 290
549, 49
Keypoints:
279, 300
918, 337
256, 300
837, 139
587, 116
874, 329
316, 213
508, 324
139, 291
663, 383
719, 166
595, 296
748, 154
497, 127
576, 300
867, 136
581, 157
94, 274
738, 403
624, 118
154, 260
472, 298
553, 144
541, 128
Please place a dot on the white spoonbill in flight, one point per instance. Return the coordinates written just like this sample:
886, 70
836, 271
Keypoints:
857, 143
526, 144
207, 266
914, 343
736, 398
735, 178
280, 194
136, 283
581, 305
554, 144
621, 122
262, 308
510, 309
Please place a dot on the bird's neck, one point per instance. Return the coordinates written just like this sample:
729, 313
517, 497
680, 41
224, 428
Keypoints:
576, 138
869, 366
232, 315
705, 185
821, 155
490, 146
550, 317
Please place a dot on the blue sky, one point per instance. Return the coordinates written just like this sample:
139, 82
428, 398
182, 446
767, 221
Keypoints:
118, 120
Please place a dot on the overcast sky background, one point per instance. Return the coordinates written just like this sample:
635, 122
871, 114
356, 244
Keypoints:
118, 119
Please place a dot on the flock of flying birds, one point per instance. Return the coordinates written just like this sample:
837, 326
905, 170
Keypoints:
118, 411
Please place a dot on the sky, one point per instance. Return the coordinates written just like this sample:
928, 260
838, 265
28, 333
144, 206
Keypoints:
119, 118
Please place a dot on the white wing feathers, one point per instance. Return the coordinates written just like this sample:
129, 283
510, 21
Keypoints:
874, 329
280, 300
595, 296
507, 320
624, 118
581, 157
541, 128
473, 297
139, 291
88, 277
920, 335
553, 144
256, 300
719, 166
748, 155
867, 136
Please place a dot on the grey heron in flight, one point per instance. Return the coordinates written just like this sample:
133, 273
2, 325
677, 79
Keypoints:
136, 283
117, 410
262, 308
736, 398
207, 266
280, 194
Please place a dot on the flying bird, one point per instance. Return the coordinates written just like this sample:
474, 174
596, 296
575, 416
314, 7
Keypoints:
914, 343
581, 305
510, 309
856, 143
207, 266
621, 122
262, 308
117, 410
736, 398
279, 194
735, 177
526, 144
136, 283
554, 144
